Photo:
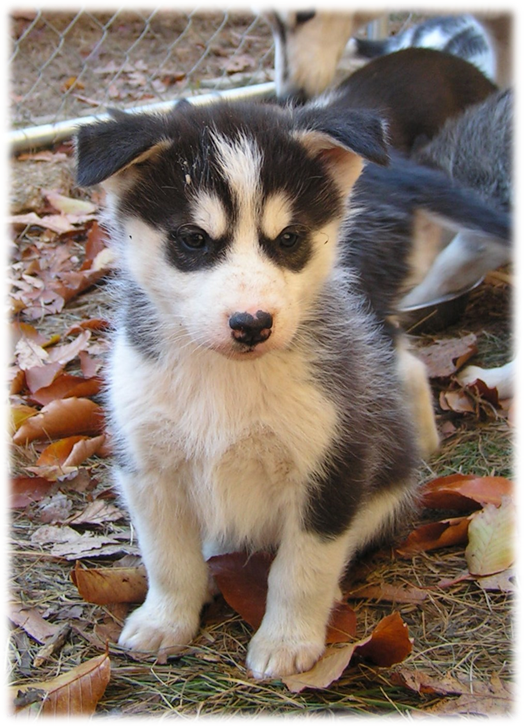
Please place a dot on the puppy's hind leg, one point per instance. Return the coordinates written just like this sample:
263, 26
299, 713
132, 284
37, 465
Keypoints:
415, 386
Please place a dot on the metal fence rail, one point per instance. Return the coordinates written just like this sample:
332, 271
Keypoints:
67, 65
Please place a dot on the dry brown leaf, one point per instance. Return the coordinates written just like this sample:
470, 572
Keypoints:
389, 643
19, 414
75, 693
465, 491
69, 351
25, 330
67, 385
445, 357
500, 582
31, 621
28, 489
488, 700
491, 539
98, 512
42, 376
106, 585
67, 205
58, 419
434, 535
457, 401
242, 580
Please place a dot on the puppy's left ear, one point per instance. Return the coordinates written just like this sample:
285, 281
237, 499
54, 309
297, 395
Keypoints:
343, 140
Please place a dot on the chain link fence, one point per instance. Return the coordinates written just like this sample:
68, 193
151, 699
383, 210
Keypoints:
65, 65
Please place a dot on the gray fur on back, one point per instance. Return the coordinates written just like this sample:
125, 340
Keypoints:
476, 148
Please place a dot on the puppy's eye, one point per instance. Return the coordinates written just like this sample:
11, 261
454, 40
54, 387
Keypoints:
304, 16
190, 237
288, 238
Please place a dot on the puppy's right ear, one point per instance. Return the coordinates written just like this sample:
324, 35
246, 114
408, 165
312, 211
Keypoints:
107, 147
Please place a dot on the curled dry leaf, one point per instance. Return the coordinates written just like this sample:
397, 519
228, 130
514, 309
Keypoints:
70, 451
19, 414
67, 385
32, 622
389, 643
75, 693
107, 585
445, 357
62, 418
434, 535
28, 489
242, 580
491, 539
465, 491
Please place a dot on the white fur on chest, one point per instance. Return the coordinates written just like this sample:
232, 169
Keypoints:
241, 438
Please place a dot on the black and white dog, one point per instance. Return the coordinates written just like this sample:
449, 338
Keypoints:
461, 35
309, 45
250, 382
256, 400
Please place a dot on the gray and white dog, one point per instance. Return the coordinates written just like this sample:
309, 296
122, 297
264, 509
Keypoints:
256, 399
461, 35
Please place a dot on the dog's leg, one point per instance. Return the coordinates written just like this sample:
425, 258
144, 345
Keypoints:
416, 388
177, 574
303, 587
502, 378
466, 259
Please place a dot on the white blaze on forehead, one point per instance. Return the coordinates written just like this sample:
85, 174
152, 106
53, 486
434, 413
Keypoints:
240, 160
277, 214
208, 212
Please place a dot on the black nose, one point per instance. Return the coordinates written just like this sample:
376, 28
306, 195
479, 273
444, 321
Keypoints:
250, 329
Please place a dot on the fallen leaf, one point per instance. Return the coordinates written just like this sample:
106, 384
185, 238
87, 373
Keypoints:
67, 205
67, 385
19, 414
484, 699
500, 582
62, 418
74, 693
70, 451
389, 643
42, 376
445, 357
28, 489
70, 545
97, 512
65, 353
242, 580
106, 585
457, 401
434, 535
31, 621
465, 491
25, 330
491, 539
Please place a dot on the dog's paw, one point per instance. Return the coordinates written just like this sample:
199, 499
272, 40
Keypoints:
157, 629
274, 658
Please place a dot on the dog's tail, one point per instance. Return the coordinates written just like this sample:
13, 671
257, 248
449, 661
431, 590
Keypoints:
397, 230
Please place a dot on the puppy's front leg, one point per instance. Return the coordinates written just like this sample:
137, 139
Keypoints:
177, 574
303, 586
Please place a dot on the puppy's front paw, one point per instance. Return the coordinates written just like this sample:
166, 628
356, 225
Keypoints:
158, 629
275, 657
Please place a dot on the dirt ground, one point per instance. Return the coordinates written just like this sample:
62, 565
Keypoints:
459, 630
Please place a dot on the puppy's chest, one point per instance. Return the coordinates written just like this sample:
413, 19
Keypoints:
265, 420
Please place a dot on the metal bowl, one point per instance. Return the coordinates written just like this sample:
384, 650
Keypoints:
436, 315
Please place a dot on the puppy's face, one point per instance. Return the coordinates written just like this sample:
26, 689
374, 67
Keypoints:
228, 222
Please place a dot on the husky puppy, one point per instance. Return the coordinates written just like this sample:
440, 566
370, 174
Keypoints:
460, 35
309, 46
253, 392
416, 90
